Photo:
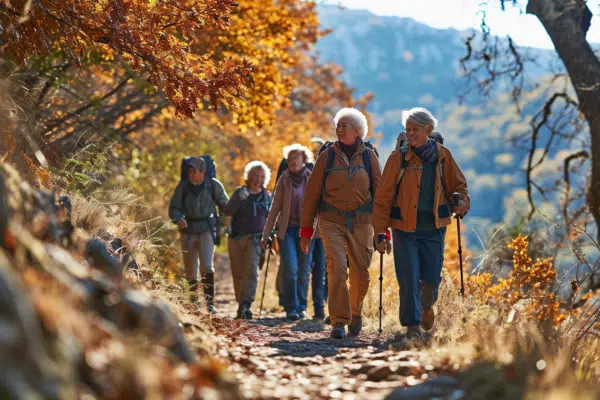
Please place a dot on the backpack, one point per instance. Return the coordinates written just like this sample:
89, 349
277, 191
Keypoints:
211, 168
211, 173
366, 161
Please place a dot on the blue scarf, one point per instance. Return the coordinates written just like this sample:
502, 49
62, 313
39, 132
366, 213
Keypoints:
428, 153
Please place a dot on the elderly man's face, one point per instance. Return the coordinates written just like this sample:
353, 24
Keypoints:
256, 180
196, 176
417, 135
346, 131
295, 161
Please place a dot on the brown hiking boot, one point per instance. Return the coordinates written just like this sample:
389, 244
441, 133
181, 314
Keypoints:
427, 319
355, 326
338, 331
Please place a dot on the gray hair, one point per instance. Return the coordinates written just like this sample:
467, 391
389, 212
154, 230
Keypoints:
420, 116
252, 165
305, 151
358, 120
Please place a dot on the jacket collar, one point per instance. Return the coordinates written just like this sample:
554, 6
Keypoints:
359, 150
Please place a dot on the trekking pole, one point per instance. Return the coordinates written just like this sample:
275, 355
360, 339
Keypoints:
269, 244
456, 198
380, 238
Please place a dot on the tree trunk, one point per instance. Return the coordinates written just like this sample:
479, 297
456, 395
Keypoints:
567, 23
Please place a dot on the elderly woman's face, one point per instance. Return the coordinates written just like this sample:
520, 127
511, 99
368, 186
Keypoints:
256, 179
295, 161
346, 131
417, 135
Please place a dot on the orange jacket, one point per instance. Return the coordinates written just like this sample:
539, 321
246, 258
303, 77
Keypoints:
345, 189
404, 214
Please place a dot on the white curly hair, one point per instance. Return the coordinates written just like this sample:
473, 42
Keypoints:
252, 165
420, 116
308, 155
357, 119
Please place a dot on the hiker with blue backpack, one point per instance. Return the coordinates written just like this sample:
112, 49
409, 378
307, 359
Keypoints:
285, 215
415, 199
193, 208
340, 192
249, 206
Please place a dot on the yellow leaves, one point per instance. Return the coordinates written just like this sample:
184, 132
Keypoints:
526, 281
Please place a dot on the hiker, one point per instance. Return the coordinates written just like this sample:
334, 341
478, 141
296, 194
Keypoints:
248, 207
193, 208
319, 277
416, 203
285, 214
340, 191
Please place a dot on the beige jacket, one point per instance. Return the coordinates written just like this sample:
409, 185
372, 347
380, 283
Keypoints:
345, 189
279, 214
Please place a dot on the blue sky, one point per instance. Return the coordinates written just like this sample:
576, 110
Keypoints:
525, 29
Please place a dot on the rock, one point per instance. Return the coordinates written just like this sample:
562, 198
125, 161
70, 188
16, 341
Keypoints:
99, 257
444, 387
377, 374
27, 370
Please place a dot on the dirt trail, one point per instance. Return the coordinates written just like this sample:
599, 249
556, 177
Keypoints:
276, 359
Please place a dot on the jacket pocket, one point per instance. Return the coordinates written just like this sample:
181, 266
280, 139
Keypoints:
396, 213
443, 211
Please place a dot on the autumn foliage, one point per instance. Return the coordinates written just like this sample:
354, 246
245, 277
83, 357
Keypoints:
155, 37
528, 287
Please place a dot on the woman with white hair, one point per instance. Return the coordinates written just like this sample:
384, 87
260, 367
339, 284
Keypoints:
415, 199
285, 214
340, 191
249, 206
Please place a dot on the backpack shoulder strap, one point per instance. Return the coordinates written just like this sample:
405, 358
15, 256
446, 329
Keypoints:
403, 166
366, 155
328, 166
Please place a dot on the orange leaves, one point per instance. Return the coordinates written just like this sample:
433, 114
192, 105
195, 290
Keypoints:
528, 281
153, 36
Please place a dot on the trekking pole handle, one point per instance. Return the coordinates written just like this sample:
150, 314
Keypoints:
380, 237
456, 198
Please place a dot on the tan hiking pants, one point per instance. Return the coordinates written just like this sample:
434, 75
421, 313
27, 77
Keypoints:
244, 256
339, 241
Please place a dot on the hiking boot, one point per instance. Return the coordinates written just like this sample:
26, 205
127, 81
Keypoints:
319, 316
246, 314
355, 326
208, 285
413, 332
427, 319
338, 331
327, 321
239, 312
292, 316
302, 314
